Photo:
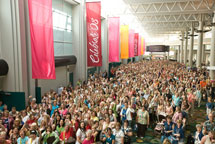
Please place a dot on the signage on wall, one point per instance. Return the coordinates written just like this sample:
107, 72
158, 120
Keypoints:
94, 55
136, 40
157, 48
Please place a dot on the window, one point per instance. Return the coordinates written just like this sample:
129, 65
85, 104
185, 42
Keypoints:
62, 27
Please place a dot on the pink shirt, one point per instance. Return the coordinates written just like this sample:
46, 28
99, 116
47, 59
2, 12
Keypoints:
177, 116
63, 112
88, 141
191, 98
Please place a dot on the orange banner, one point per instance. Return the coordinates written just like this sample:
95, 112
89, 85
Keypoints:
124, 35
142, 45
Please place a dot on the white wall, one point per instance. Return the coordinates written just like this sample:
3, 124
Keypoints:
9, 82
1, 81
11, 46
31, 82
104, 39
62, 79
79, 41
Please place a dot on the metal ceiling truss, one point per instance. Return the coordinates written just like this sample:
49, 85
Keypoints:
173, 25
163, 7
173, 18
174, 14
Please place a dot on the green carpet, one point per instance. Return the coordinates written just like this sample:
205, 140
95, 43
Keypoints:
199, 116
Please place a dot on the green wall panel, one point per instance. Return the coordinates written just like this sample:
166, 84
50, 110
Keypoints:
38, 94
12, 99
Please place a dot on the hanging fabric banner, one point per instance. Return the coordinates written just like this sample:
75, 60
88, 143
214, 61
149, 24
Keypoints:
139, 45
131, 43
142, 39
94, 54
144, 46
113, 36
124, 35
136, 40
42, 46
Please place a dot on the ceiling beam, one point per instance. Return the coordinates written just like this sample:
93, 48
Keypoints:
164, 21
164, 28
174, 18
173, 13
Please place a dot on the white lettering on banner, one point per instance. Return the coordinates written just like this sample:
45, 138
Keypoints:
135, 46
93, 29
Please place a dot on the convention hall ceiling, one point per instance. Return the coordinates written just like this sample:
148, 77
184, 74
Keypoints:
170, 16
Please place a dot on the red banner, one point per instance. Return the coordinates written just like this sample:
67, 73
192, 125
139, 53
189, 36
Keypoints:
42, 49
94, 54
113, 36
136, 40
139, 45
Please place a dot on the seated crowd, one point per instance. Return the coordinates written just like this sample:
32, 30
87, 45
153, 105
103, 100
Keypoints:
141, 95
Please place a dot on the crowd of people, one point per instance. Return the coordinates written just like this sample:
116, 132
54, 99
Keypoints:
154, 94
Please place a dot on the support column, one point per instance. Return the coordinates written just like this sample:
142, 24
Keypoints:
167, 55
200, 43
203, 53
191, 47
179, 54
175, 53
185, 48
182, 47
212, 52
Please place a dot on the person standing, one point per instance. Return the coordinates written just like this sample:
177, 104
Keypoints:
142, 121
198, 95
118, 133
123, 112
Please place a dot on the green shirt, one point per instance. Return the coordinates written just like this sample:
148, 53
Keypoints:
45, 136
59, 129
142, 117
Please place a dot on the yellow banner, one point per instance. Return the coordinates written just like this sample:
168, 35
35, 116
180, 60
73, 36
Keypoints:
142, 45
124, 35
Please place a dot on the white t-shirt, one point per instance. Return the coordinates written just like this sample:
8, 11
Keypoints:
118, 135
25, 118
60, 90
128, 113
80, 134
36, 141
197, 140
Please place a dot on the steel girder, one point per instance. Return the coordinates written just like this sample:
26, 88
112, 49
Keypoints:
175, 15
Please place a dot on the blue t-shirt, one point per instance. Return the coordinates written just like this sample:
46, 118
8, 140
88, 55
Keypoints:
122, 106
54, 108
110, 139
179, 130
210, 105
176, 101
22, 141
2, 108
124, 114
168, 127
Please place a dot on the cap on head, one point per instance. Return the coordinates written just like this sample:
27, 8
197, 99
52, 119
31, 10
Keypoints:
33, 132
